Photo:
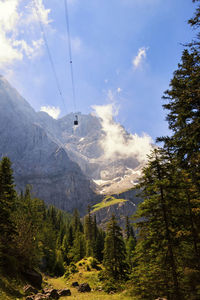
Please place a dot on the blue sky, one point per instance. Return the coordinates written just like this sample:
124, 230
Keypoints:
124, 53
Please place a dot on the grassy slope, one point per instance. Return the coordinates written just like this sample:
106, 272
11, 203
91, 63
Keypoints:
107, 201
12, 289
90, 277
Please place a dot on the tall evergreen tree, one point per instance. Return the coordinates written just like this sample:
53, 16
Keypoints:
89, 233
183, 105
114, 251
29, 220
157, 230
76, 222
7, 206
78, 249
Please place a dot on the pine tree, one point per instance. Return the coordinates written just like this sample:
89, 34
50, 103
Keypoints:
89, 234
29, 220
78, 249
158, 247
114, 251
130, 250
99, 245
76, 222
7, 206
183, 105
127, 228
183, 117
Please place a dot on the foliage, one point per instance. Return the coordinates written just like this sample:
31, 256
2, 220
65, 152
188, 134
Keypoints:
94, 237
110, 286
114, 251
166, 261
7, 206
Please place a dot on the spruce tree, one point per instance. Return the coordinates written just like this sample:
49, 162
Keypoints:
89, 232
114, 251
76, 222
158, 246
7, 206
78, 249
29, 220
183, 105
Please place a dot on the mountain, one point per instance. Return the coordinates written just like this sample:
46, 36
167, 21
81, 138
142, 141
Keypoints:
120, 207
67, 166
38, 158
84, 145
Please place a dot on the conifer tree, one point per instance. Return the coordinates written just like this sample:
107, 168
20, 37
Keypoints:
7, 206
69, 236
158, 247
183, 105
127, 228
130, 249
29, 218
114, 251
76, 222
99, 245
78, 249
89, 234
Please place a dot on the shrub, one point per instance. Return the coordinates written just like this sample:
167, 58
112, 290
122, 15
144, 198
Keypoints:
109, 286
88, 268
71, 269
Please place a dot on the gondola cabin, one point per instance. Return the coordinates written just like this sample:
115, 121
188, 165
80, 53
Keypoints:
76, 120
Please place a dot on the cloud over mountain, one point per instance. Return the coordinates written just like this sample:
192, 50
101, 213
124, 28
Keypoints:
52, 111
116, 142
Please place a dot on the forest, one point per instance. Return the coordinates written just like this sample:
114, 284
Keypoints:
163, 259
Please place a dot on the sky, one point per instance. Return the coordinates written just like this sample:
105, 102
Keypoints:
124, 53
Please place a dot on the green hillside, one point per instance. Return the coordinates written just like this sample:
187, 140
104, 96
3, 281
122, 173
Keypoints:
107, 201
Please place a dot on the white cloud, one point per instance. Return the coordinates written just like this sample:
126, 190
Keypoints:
35, 11
14, 21
30, 51
44, 13
116, 142
139, 58
8, 53
52, 111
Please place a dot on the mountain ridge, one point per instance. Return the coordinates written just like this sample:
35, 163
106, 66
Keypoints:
37, 159
67, 165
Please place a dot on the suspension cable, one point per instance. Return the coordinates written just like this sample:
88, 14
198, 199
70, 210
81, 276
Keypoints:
48, 52
70, 53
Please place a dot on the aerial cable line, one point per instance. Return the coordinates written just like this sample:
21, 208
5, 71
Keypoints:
48, 52
70, 59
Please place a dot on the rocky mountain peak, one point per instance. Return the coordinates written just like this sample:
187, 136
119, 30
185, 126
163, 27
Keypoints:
68, 165
38, 158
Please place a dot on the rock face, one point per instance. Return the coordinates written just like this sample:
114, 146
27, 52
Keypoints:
66, 165
84, 145
120, 210
38, 158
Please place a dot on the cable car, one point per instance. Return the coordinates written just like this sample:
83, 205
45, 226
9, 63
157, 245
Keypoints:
76, 120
